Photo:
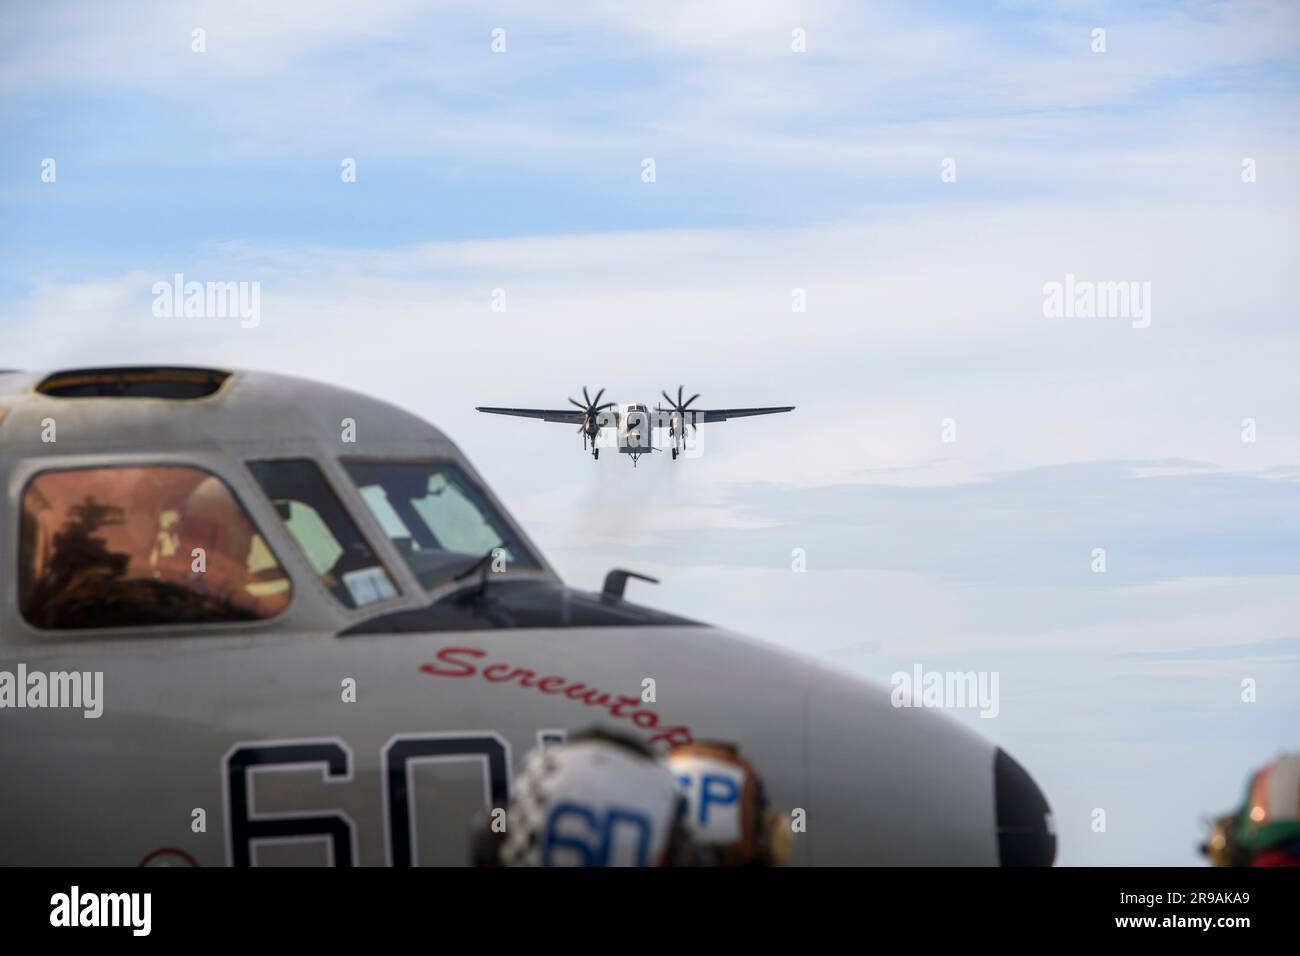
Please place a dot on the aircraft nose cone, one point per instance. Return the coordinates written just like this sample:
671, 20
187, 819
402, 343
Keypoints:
1026, 832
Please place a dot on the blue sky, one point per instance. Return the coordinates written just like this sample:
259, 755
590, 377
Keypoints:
774, 171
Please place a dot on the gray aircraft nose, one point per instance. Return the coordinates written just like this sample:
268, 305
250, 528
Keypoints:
1026, 832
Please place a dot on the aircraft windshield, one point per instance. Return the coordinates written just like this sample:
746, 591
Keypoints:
327, 535
439, 522
130, 547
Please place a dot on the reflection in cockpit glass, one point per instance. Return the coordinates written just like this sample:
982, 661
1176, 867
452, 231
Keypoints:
118, 547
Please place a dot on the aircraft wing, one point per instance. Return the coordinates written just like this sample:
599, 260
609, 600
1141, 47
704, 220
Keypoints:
722, 414
568, 416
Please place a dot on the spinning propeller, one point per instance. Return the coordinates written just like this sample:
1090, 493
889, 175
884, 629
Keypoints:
677, 426
591, 410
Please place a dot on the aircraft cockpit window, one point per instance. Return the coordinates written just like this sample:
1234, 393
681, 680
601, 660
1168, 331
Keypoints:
180, 384
438, 521
132, 547
325, 532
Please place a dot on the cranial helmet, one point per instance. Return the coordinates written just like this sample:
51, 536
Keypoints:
728, 813
598, 799
1270, 816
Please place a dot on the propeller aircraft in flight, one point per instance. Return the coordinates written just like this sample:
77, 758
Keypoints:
634, 423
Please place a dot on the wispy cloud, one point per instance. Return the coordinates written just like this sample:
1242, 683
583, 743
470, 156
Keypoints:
1278, 648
